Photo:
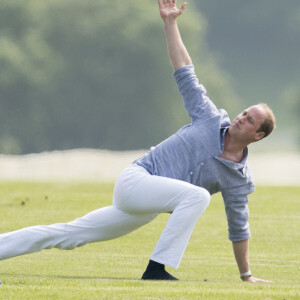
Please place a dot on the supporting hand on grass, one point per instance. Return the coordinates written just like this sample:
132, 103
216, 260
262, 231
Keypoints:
254, 279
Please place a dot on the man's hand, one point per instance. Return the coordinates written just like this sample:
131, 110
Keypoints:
254, 279
178, 54
241, 252
168, 9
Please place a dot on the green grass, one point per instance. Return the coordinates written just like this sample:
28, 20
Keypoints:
111, 270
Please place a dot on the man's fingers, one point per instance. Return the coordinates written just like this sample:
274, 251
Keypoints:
262, 280
183, 6
254, 279
270, 281
173, 2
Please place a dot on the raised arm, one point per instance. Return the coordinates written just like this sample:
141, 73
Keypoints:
177, 52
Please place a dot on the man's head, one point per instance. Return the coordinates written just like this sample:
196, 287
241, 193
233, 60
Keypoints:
253, 124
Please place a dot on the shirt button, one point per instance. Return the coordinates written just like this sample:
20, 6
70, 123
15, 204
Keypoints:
191, 173
202, 164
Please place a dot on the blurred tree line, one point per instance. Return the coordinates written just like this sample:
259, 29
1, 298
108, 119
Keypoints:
258, 44
94, 74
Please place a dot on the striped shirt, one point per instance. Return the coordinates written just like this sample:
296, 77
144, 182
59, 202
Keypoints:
192, 154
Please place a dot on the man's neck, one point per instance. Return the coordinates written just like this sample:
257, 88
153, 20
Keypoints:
233, 150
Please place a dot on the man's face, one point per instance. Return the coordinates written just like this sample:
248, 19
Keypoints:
245, 126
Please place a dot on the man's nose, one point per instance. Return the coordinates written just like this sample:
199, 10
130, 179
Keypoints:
242, 119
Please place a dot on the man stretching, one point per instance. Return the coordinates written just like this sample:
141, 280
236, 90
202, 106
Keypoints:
207, 156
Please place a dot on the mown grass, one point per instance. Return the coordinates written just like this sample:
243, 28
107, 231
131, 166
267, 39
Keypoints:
111, 270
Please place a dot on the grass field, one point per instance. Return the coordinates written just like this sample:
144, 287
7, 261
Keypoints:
111, 270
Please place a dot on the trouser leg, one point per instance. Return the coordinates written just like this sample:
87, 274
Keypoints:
99, 225
154, 194
174, 239
138, 198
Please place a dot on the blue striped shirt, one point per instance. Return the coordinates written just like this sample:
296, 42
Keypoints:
192, 154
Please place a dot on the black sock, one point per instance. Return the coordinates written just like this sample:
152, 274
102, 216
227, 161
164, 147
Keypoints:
156, 271
153, 265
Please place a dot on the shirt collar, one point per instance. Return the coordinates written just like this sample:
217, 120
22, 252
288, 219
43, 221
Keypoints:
222, 137
231, 164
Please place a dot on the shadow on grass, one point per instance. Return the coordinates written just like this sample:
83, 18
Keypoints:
64, 277
3, 275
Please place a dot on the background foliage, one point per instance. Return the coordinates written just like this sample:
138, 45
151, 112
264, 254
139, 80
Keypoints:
96, 73
258, 44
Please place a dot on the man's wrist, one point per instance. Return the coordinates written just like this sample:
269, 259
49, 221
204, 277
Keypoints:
246, 275
169, 21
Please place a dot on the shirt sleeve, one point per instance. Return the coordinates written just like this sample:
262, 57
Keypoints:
196, 102
237, 212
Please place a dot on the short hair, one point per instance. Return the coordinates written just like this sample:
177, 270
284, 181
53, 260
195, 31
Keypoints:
269, 123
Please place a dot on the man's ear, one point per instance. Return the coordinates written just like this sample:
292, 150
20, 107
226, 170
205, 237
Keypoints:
259, 135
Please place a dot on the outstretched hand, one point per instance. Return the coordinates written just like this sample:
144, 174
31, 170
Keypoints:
254, 279
168, 9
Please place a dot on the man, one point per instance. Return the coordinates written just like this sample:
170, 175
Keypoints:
207, 156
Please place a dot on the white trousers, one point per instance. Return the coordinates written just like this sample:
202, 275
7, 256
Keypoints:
138, 198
